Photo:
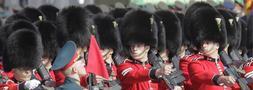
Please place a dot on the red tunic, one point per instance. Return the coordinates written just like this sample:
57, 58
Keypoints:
1, 66
6, 83
183, 65
201, 73
248, 68
134, 76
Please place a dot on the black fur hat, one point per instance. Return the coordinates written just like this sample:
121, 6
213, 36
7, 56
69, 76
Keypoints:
23, 50
243, 44
233, 30
16, 25
32, 13
139, 26
20, 24
173, 31
118, 12
207, 25
93, 9
49, 11
49, 40
107, 31
161, 37
187, 19
250, 32
7, 29
14, 18
73, 22
185, 41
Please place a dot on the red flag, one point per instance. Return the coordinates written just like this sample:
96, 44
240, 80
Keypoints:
95, 62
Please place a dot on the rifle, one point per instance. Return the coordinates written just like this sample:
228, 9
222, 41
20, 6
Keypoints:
231, 71
237, 58
175, 78
43, 73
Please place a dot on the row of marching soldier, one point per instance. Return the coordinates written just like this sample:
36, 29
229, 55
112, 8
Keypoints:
79, 48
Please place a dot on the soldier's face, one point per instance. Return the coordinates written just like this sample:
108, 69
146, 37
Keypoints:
107, 54
21, 74
210, 48
47, 62
139, 52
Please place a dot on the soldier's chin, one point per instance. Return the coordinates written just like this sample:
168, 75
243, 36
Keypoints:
138, 58
134, 56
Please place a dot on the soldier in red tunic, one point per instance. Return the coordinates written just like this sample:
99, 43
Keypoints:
169, 41
137, 33
50, 48
248, 67
22, 55
208, 34
107, 35
184, 62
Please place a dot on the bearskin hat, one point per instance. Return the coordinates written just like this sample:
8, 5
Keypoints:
7, 29
118, 12
20, 24
207, 25
32, 13
2, 38
15, 17
184, 39
139, 26
250, 32
233, 32
93, 9
49, 11
187, 19
243, 44
173, 31
161, 37
107, 31
73, 20
16, 25
23, 50
48, 34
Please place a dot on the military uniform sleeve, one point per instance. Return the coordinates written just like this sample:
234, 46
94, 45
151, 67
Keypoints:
248, 68
127, 73
7, 84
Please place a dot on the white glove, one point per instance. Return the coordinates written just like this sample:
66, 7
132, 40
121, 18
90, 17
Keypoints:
32, 84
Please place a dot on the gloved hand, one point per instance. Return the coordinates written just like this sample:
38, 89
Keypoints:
32, 84
164, 70
226, 80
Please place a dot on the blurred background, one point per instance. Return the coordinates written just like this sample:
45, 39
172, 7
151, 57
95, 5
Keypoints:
8, 7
